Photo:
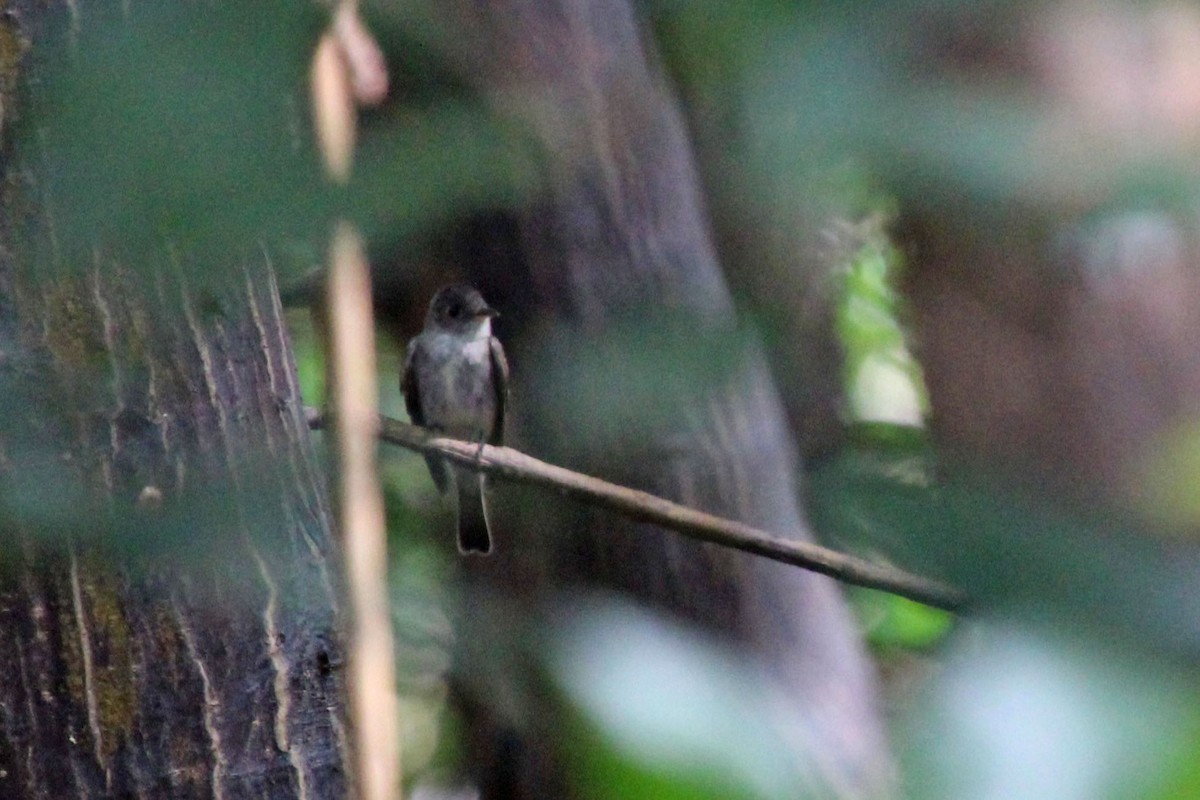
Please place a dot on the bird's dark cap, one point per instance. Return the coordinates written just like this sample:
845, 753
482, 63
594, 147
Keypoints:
460, 302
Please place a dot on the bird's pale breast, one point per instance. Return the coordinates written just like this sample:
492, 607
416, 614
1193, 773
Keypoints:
461, 398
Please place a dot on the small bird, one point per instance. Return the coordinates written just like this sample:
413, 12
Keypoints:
455, 381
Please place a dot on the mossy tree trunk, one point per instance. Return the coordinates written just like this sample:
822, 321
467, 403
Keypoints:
167, 585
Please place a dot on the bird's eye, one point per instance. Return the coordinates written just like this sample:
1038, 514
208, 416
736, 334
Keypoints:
455, 311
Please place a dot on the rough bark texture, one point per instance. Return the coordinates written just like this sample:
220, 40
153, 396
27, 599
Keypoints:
167, 599
620, 238
166, 679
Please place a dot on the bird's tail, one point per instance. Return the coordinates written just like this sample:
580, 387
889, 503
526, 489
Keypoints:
473, 535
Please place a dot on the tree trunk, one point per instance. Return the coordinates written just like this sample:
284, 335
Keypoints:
167, 596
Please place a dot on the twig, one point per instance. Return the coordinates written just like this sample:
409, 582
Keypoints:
372, 681
513, 465
345, 63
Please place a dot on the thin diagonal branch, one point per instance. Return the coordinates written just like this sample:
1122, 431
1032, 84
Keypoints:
508, 464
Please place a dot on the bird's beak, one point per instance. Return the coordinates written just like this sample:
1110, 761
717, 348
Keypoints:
487, 311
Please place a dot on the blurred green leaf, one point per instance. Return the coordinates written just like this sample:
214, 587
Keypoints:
424, 165
1016, 550
603, 771
892, 621
1168, 477
897, 458
176, 123
1044, 713
883, 380
672, 710
809, 85
190, 125
310, 359
629, 381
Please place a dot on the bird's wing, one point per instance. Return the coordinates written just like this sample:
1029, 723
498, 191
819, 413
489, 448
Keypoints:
500, 385
412, 402
409, 387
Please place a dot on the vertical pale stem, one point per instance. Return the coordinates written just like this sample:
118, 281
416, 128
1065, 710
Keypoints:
372, 678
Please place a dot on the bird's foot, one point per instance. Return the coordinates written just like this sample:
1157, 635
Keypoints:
482, 440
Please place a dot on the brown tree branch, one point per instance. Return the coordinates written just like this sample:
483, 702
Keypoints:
513, 465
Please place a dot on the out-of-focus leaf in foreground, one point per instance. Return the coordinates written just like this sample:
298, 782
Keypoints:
1050, 716
629, 382
190, 125
1015, 549
175, 122
665, 712
950, 102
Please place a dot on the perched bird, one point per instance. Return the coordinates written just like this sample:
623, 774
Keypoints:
455, 381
